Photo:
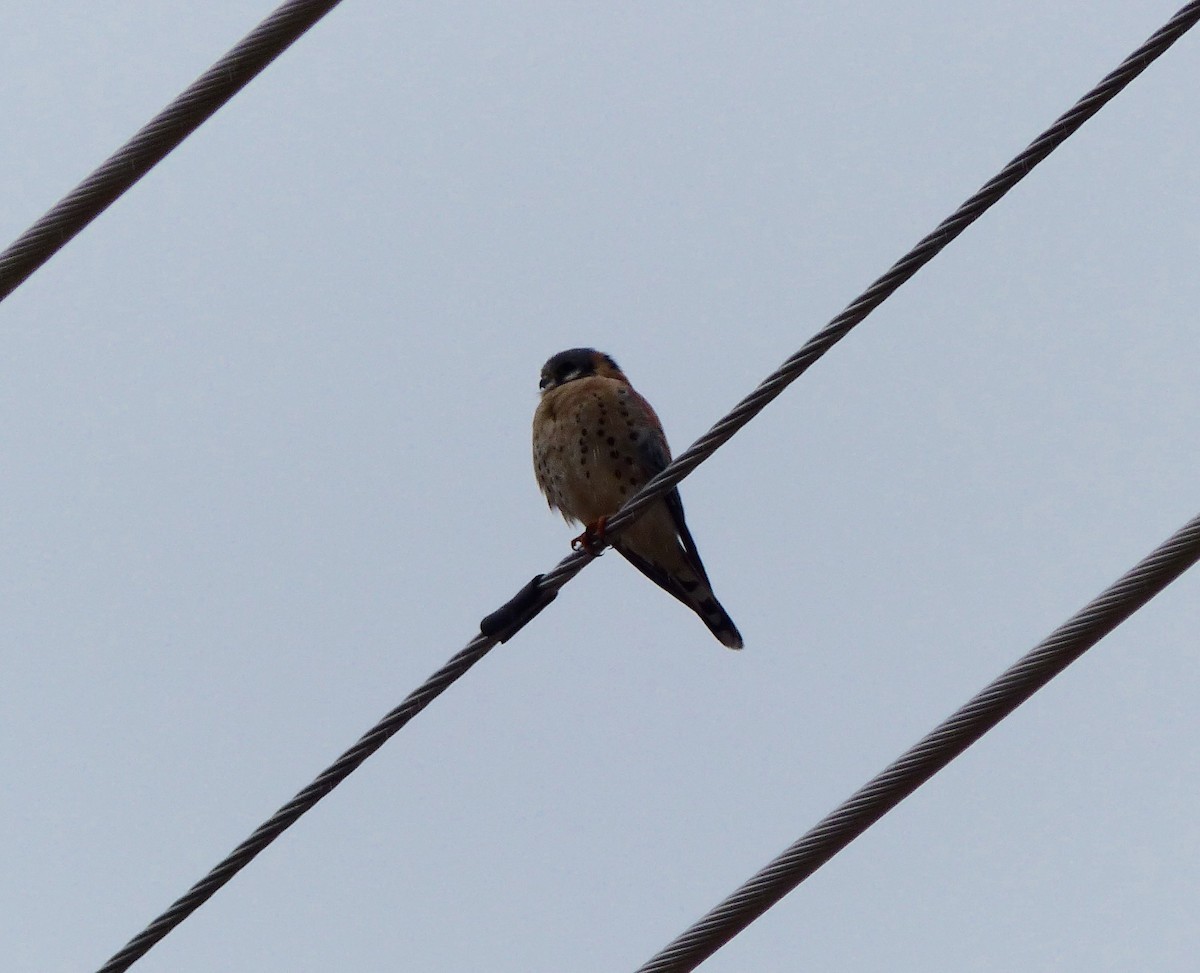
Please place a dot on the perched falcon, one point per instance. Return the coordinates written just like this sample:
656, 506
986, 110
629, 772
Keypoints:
595, 442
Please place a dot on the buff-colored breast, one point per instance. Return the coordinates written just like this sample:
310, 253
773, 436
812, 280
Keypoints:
586, 447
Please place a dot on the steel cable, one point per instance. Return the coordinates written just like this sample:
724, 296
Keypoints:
925, 250
157, 138
1066, 644
287, 815
504, 623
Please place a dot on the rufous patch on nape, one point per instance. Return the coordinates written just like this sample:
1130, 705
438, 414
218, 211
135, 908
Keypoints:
595, 442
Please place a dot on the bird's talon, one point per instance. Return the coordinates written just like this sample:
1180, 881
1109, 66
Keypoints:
592, 539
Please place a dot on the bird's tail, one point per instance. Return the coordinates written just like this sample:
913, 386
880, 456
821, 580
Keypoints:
683, 581
704, 603
660, 545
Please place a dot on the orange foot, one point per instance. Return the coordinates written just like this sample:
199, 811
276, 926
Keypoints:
592, 538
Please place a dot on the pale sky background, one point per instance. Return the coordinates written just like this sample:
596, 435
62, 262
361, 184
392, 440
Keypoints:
264, 430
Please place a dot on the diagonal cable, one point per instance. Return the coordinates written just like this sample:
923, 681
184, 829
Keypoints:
900, 272
537, 594
1029, 674
157, 138
287, 815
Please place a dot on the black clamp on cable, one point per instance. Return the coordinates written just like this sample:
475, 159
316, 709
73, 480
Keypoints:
518, 611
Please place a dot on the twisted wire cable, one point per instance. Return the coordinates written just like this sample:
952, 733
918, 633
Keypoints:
287, 815
883, 288
537, 594
157, 138
1029, 674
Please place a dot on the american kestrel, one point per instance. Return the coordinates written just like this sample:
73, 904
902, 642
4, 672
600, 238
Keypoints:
595, 442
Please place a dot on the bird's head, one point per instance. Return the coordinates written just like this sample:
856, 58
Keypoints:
576, 363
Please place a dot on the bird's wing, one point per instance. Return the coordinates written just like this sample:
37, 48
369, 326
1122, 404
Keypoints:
654, 455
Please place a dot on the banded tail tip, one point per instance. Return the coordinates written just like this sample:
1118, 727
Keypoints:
720, 624
730, 637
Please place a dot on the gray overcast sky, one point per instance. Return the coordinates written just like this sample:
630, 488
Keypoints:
265, 440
